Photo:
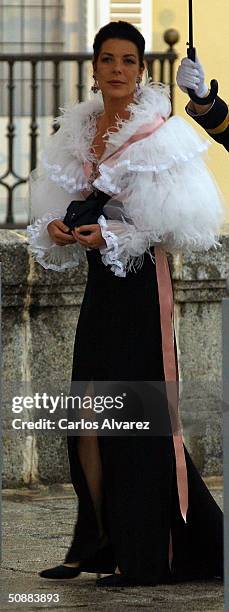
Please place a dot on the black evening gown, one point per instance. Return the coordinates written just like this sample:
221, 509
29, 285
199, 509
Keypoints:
118, 337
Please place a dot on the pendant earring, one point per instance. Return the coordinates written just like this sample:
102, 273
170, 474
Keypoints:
138, 89
95, 88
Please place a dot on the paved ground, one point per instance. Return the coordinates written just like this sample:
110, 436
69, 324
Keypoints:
37, 527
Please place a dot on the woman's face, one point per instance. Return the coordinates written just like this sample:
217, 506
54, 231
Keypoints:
117, 68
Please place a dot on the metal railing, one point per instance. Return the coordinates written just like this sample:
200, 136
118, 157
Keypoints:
160, 67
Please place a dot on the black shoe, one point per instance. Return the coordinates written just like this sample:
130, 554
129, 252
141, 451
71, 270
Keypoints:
60, 572
115, 580
119, 580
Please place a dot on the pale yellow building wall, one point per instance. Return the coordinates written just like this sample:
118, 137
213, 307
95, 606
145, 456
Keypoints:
211, 27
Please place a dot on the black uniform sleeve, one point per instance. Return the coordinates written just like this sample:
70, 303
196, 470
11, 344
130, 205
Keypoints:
215, 121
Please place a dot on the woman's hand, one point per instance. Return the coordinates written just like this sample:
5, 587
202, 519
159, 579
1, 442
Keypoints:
94, 240
58, 231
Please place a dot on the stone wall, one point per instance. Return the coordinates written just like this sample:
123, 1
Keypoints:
39, 312
199, 286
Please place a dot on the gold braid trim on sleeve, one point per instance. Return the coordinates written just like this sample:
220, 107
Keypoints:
221, 127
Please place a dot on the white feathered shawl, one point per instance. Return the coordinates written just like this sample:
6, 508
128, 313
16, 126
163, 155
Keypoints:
161, 192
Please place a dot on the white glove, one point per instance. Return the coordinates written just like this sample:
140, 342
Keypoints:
190, 75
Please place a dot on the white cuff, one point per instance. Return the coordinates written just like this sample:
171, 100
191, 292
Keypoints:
110, 252
125, 246
193, 114
48, 254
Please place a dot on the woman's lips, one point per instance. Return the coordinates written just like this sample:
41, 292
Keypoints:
116, 83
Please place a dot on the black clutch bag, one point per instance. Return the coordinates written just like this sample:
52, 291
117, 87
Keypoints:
85, 212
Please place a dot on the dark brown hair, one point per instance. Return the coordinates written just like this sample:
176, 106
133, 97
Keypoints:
122, 30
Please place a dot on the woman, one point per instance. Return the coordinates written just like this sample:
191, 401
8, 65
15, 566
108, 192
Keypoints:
135, 518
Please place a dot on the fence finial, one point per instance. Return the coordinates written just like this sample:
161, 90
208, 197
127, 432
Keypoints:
171, 37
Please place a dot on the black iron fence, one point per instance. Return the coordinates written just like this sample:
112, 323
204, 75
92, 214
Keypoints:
41, 94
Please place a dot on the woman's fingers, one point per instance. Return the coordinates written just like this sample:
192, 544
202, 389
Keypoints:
62, 225
87, 228
84, 240
94, 240
63, 238
58, 231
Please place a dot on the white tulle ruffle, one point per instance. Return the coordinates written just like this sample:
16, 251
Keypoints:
125, 246
175, 201
173, 144
71, 179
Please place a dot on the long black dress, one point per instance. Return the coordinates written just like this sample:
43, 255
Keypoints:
118, 337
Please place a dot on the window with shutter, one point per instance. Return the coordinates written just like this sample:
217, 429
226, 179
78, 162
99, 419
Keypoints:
128, 11
137, 12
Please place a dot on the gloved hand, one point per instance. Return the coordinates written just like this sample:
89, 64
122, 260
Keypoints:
190, 75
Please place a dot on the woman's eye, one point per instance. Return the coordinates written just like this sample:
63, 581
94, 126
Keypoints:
127, 60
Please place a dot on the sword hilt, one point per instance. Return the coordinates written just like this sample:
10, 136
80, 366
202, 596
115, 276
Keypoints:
191, 53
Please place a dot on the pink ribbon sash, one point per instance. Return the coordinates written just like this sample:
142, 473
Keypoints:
145, 130
166, 313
